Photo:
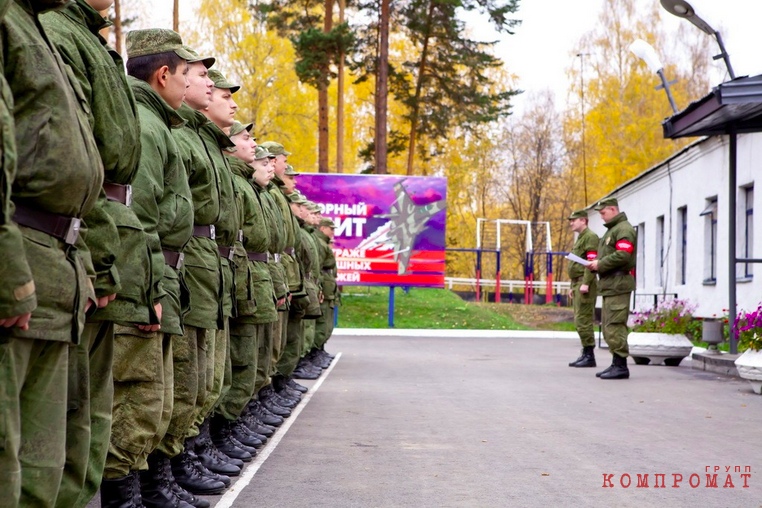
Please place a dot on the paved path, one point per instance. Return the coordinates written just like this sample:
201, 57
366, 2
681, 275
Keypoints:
449, 422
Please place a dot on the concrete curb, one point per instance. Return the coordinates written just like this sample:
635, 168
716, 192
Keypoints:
468, 334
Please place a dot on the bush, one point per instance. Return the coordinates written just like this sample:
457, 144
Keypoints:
672, 316
748, 329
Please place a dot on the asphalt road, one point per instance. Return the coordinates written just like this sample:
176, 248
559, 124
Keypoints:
461, 422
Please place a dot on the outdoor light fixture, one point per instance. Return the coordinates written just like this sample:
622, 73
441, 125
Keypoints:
683, 9
647, 53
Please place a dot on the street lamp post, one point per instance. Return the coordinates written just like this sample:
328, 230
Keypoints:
683, 9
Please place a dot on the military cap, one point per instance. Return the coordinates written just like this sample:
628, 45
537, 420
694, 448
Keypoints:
325, 222
579, 214
154, 41
603, 203
261, 153
298, 198
290, 170
313, 207
238, 128
220, 81
208, 61
275, 148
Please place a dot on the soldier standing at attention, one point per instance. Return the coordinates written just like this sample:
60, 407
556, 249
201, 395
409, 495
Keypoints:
143, 373
46, 273
115, 239
324, 324
616, 259
583, 287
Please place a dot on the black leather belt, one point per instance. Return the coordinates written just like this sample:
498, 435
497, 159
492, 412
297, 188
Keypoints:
205, 231
290, 251
62, 227
258, 256
174, 259
226, 252
613, 274
330, 270
119, 193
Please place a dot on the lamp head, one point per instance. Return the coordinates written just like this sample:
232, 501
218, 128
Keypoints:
647, 53
683, 9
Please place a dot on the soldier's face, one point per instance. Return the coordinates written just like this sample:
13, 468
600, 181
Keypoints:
290, 183
578, 225
262, 171
280, 163
245, 147
199, 93
327, 231
609, 213
174, 85
222, 108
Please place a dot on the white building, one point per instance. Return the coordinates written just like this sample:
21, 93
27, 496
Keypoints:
680, 211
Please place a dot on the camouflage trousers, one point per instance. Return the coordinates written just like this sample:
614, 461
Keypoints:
280, 339
292, 351
584, 312
143, 398
309, 336
88, 419
186, 370
265, 355
324, 324
221, 373
244, 355
616, 309
33, 376
204, 373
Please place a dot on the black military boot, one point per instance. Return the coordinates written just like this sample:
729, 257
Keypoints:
270, 393
243, 434
303, 372
587, 359
190, 498
264, 415
268, 402
317, 359
119, 492
190, 448
256, 425
281, 387
223, 439
618, 369
213, 459
156, 484
188, 476
296, 386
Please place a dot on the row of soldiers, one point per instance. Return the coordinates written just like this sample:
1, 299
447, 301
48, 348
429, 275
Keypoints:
162, 281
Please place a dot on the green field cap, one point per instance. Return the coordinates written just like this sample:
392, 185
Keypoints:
275, 148
261, 153
208, 61
297, 198
579, 214
220, 81
154, 41
603, 203
238, 128
327, 223
290, 170
313, 207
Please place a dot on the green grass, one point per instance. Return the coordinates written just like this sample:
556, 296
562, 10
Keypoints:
560, 327
420, 308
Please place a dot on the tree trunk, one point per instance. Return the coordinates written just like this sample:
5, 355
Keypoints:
323, 140
117, 26
176, 16
340, 102
382, 88
418, 88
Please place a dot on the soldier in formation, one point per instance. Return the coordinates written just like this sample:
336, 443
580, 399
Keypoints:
151, 322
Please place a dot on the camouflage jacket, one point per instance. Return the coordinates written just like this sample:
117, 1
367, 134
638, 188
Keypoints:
58, 171
203, 267
227, 226
327, 265
162, 200
616, 257
293, 272
253, 280
115, 237
585, 247
277, 228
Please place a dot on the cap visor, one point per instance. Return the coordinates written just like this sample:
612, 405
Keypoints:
185, 55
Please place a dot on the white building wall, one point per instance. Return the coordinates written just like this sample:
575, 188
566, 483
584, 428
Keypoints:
688, 179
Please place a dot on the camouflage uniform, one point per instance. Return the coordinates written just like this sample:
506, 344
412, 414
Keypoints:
255, 294
585, 247
324, 324
55, 156
115, 239
143, 374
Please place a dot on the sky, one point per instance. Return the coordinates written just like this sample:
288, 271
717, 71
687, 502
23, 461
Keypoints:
544, 45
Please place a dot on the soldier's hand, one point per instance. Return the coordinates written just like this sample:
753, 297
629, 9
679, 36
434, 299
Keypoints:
593, 266
20, 321
584, 288
321, 297
105, 300
571, 293
153, 328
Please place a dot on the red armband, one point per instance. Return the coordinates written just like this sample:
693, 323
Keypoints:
625, 246
592, 255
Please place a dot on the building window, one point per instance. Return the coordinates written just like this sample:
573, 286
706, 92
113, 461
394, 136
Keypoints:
748, 230
682, 241
640, 261
659, 264
710, 240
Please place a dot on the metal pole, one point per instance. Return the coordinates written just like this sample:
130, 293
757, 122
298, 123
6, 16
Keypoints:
497, 282
732, 238
478, 275
724, 55
391, 306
